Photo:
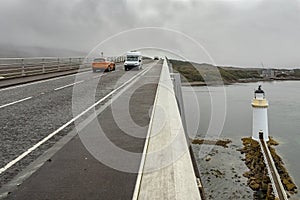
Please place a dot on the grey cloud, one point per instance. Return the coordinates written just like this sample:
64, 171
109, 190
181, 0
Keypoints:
242, 33
66, 24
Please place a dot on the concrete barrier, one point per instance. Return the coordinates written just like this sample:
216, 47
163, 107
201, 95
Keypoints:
166, 170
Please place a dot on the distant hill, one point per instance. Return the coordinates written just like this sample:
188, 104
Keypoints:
203, 74
13, 51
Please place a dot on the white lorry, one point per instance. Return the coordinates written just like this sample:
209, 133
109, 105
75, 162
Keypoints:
133, 60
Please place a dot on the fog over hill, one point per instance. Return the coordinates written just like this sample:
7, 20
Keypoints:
13, 51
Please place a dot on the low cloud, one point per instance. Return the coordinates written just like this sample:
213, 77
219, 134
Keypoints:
234, 32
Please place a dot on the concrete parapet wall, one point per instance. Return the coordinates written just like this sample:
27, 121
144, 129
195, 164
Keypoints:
167, 171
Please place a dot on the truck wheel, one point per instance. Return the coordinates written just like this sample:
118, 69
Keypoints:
94, 70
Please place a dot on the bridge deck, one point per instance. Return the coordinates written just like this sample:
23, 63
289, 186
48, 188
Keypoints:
73, 173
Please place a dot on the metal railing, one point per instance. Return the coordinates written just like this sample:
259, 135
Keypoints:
20, 67
278, 188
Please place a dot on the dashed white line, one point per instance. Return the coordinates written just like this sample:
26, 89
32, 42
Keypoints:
60, 88
98, 76
42, 81
20, 157
12, 103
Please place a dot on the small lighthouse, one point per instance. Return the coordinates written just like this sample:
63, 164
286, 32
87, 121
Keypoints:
260, 115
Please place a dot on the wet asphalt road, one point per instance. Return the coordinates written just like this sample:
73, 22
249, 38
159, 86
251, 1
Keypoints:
50, 106
75, 173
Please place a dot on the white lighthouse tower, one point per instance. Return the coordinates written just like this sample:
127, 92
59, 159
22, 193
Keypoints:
260, 115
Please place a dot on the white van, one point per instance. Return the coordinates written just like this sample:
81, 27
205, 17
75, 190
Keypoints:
133, 60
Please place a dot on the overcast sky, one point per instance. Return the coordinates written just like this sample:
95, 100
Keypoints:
233, 32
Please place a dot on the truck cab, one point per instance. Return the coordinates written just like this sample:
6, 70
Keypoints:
133, 60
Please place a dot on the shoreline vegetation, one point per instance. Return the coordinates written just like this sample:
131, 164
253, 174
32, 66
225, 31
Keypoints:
195, 74
258, 179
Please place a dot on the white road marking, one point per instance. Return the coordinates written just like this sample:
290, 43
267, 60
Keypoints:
42, 81
60, 88
98, 76
12, 103
20, 157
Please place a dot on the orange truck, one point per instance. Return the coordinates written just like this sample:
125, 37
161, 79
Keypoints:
102, 64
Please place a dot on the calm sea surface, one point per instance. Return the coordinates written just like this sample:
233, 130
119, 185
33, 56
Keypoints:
234, 103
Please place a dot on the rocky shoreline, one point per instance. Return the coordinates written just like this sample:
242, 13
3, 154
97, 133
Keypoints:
238, 169
221, 169
258, 179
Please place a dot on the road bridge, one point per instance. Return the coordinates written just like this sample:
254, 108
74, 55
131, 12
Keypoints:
43, 156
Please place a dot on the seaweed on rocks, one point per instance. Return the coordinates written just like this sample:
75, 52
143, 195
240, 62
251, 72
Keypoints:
287, 181
258, 179
224, 143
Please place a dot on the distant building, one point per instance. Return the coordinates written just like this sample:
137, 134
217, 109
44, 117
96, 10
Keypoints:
284, 73
287, 72
267, 73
